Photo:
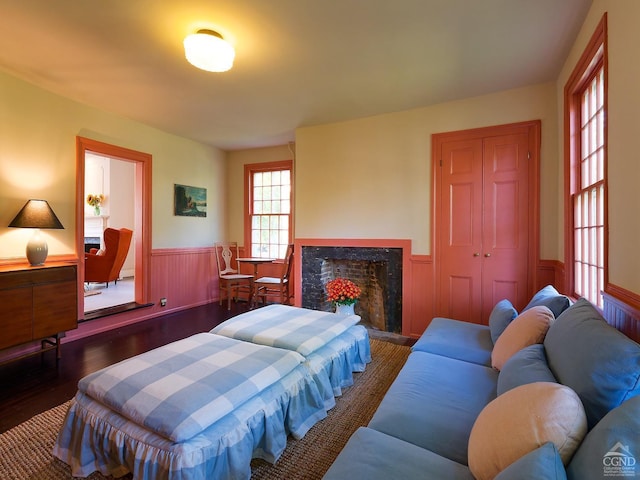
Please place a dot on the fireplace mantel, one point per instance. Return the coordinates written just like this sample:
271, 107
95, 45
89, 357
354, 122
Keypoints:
404, 245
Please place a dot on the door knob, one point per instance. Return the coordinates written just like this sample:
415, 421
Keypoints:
487, 254
476, 254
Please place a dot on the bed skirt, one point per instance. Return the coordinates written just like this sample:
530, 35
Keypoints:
94, 438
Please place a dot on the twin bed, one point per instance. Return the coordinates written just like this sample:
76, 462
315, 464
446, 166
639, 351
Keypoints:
203, 407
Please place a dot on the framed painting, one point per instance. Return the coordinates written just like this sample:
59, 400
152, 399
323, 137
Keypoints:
189, 201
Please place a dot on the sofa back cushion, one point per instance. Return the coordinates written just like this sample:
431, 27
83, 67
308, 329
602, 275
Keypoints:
501, 316
543, 462
611, 448
550, 298
526, 329
600, 363
529, 365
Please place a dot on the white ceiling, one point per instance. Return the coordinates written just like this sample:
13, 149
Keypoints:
298, 62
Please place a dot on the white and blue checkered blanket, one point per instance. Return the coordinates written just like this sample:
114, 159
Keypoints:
180, 389
298, 329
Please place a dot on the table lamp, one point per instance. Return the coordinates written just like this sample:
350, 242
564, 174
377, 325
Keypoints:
36, 214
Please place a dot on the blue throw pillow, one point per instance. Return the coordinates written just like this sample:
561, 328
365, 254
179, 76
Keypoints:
542, 463
599, 362
550, 298
611, 449
501, 316
529, 365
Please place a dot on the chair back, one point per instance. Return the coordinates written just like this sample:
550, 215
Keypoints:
226, 255
106, 266
124, 236
288, 263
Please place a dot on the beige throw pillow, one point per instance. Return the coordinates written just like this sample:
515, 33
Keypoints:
521, 420
528, 328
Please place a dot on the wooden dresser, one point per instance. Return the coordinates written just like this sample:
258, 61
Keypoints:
37, 303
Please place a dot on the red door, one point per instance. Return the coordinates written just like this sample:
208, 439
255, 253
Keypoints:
483, 216
460, 230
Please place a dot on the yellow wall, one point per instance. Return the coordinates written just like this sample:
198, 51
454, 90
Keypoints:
372, 177
366, 178
37, 160
624, 104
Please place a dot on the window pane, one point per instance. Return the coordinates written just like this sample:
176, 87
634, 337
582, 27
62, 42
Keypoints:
257, 179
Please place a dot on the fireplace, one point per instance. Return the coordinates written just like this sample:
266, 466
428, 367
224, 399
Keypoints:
378, 271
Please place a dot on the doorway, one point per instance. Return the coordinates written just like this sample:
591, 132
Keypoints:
128, 166
486, 218
109, 183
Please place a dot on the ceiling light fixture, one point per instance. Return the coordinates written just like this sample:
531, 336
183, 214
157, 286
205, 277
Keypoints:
208, 51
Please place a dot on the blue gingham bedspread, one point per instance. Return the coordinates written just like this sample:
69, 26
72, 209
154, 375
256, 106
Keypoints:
298, 329
182, 388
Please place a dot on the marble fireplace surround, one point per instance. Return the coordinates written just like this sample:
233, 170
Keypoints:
403, 245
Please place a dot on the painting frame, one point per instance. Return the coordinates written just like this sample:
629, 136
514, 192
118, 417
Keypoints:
189, 201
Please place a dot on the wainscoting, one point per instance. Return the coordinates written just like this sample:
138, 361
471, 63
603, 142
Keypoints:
188, 278
622, 310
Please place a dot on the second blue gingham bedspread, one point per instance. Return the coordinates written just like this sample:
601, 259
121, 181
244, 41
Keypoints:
292, 328
180, 389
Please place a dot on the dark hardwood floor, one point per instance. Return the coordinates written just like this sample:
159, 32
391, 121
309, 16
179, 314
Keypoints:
35, 384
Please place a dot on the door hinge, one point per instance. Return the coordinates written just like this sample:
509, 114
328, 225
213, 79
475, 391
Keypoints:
440, 162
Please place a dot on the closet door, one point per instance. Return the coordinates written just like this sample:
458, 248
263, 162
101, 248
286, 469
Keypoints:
460, 207
505, 230
483, 213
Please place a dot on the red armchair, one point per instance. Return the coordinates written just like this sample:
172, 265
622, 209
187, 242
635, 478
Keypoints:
106, 266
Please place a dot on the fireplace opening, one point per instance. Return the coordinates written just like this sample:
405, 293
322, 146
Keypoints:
377, 271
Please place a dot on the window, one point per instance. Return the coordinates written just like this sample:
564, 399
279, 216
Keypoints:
586, 104
269, 206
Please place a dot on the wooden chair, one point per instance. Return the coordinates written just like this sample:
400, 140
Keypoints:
277, 287
105, 266
230, 278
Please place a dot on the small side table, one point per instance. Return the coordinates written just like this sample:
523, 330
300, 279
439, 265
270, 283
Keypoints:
255, 261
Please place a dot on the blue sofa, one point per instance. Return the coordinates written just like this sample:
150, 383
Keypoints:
422, 427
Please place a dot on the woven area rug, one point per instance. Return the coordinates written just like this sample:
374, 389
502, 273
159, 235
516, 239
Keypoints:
25, 451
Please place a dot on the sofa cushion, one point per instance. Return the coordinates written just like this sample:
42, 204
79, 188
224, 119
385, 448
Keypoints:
502, 315
434, 402
526, 329
542, 463
616, 435
600, 363
529, 365
551, 298
373, 455
455, 339
522, 420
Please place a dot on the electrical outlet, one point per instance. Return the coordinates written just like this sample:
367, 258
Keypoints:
163, 302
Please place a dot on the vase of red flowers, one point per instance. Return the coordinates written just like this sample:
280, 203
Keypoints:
343, 294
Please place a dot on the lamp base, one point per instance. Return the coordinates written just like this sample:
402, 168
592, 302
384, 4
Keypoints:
37, 249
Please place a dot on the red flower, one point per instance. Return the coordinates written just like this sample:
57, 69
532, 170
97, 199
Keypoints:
342, 291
